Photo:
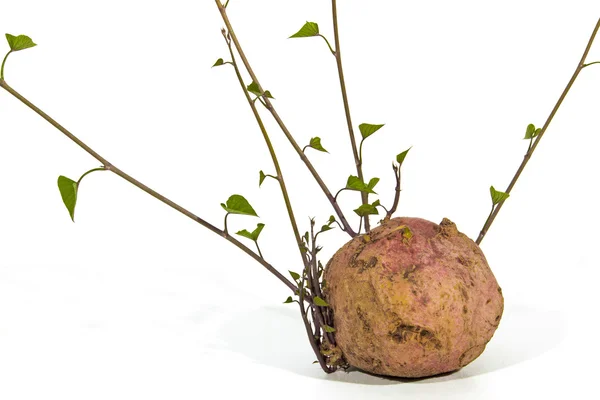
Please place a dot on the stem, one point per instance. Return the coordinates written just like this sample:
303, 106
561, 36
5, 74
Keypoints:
282, 126
89, 172
397, 194
328, 44
284, 192
592, 63
4, 62
338, 58
580, 66
108, 166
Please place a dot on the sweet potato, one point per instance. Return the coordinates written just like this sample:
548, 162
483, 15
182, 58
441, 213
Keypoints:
412, 299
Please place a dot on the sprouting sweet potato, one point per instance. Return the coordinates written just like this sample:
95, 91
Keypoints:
412, 299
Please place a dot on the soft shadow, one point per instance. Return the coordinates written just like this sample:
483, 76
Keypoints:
275, 336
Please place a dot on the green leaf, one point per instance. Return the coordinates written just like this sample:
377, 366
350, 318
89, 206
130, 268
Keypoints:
315, 143
218, 63
237, 204
326, 228
331, 219
320, 302
20, 42
530, 131
68, 192
355, 183
376, 203
261, 178
537, 132
253, 88
308, 30
328, 328
366, 209
288, 300
400, 157
372, 183
254, 234
497, 196
295, 275
367, 130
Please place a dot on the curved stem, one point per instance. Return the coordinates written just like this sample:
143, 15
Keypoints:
284, 192
592, 63
282, 126
4, 62
580, 66
338, 58
89, 172
328, 44
108, 166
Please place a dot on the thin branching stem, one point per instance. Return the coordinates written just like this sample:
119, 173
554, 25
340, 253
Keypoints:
284, 192
110, 167
580, 66
340, 68
398, 176
269, 106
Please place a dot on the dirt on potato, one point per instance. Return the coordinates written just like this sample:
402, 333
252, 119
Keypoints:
412, 299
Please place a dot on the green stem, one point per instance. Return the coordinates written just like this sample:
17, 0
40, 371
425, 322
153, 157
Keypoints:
4, 62
89, 172
108, 166
338, 58
580, 66
328, 44
286, 197
282, 126
592, 63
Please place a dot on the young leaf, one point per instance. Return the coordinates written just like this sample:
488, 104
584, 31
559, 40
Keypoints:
219, 62
328, 328
20, 42
355, 183
253, 88
308, 30
366, 209
400, 157
331, 219
367, 130
252, 235
237, 204
315, 143
326, 228
530, 131
537, 132
372, 183
320, 302
288, 300
68, 192
376, 203
497, 196
261, 178
295, 275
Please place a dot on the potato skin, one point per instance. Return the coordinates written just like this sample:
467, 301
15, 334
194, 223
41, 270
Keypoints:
412, 306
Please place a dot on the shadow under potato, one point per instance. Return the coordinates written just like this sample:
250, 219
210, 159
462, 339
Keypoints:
275, 336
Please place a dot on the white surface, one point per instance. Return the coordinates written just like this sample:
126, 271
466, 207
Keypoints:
137, 302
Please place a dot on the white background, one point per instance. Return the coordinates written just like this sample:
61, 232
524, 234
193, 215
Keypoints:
135, 301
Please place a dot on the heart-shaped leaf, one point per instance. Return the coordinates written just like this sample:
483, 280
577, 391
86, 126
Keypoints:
68, 192
254, 89
498, 196
20, 42
237, 204
355, 183
252, 235
367, 130
315, 143
400, 157
219, 62
308, 30
366, 209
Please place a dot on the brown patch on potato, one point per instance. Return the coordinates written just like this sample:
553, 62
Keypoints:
412, 333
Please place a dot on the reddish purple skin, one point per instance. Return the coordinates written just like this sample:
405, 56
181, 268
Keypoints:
412, 306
